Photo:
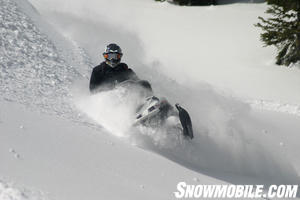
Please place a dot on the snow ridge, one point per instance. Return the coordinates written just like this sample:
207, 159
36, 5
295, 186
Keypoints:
32, 70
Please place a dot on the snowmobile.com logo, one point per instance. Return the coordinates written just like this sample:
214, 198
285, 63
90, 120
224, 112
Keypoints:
234, 191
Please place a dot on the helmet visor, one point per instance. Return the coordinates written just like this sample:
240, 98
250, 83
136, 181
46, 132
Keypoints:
112, 56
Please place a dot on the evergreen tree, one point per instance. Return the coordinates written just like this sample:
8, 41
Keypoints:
283, 30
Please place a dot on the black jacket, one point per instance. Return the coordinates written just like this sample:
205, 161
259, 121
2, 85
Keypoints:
104, 74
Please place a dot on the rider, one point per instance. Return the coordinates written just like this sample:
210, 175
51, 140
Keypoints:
111, 71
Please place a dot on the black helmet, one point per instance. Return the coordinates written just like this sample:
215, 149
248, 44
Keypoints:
113, 54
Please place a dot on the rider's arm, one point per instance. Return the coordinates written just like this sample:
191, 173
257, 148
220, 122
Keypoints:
97, 78
93, 81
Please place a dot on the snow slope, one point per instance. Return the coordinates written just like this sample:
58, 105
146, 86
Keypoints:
72, 161
57, 138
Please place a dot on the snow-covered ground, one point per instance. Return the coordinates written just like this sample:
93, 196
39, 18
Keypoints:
58, 142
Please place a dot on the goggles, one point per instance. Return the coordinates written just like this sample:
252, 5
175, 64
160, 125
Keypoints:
112, 56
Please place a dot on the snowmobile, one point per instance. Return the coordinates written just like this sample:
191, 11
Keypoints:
155, 111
